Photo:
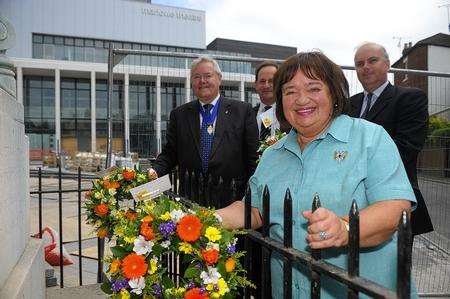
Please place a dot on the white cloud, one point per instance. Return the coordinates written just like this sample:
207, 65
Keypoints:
335, 27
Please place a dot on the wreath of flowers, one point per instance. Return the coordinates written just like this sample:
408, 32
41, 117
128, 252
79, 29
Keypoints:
270, 140
154, 228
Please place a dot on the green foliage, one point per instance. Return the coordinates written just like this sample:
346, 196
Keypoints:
437, 124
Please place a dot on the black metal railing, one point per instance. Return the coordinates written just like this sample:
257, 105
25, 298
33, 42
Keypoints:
201, 189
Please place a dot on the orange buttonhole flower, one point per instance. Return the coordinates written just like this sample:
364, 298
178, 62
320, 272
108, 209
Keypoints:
132, 216
128, 174
101, 210
195, 294
111, 185
102, 232
230, 264
210, 256
147, 230
134, 266
189, 228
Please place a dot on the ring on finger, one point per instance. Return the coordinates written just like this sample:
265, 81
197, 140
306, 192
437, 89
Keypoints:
323, 235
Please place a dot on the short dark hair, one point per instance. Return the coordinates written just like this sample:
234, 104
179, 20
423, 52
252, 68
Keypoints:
315, 65
264, 64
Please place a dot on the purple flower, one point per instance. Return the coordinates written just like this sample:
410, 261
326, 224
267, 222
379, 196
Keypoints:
232, 249
157, 291
216, 288
190, 285
202, 290
119, 284
166, 228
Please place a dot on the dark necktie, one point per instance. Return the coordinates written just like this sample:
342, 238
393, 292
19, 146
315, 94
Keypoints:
368, 104
263, 131
206, 138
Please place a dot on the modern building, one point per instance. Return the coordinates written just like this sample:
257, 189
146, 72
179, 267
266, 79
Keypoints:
429, 54
61, 56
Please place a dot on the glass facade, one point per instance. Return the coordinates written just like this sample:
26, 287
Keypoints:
95, 50
142, 112
75, 115
231, 92
39, 110
173, 94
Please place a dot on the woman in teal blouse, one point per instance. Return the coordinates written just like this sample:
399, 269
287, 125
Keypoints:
339, 158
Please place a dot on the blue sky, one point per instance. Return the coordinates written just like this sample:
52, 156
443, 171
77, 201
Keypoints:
335, 27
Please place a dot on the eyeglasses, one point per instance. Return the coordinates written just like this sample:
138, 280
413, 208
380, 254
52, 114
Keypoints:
199, 77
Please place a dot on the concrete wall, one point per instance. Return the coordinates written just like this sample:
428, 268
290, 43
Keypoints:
21, 258
120, 20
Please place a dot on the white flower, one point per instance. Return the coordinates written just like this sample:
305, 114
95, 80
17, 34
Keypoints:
176, 215
112, 192
165, 244
137, 285
212, 245
212, 276
141, 246
177, 198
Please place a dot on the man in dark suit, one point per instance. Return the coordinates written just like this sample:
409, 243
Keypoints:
402, 111
264, 88
212, 135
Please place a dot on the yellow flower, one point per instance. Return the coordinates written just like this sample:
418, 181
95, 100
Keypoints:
180, 291
185, 247
165, 216
115, 266
153, 266
124, 294
129, 240
98, 195
118, 231
213, 234
215, 295
223, 286
209, 286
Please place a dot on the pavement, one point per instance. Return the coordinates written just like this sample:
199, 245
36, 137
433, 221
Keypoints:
431, 252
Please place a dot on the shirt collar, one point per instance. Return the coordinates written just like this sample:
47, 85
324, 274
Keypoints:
377, 92
213, 102
262, 106
339, 129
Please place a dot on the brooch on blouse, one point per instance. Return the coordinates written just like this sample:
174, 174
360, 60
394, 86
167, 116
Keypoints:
340, 155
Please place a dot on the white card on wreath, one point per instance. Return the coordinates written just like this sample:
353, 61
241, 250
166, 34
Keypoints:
151, 189
267, 117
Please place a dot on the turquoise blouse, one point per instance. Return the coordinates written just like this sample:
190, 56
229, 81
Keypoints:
353, 159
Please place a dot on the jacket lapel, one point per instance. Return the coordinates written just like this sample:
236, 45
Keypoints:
194, 124
222, 122
381, 102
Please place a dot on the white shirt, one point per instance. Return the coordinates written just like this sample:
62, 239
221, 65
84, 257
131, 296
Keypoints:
214, 102
275, 124
375, 95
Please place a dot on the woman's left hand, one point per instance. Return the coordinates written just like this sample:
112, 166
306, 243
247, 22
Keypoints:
325, 229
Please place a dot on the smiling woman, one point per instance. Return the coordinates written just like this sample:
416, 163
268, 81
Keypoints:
341, 159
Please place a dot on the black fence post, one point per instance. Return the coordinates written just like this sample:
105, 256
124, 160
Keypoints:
80, 256
404, 257
353, 247
175, 180
61, 257
315, 253
265, 271
40, 201
100, 252
287, 263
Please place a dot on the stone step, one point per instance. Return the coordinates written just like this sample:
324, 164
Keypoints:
92, 291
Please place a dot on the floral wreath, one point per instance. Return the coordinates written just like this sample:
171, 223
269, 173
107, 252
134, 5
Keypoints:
154, 228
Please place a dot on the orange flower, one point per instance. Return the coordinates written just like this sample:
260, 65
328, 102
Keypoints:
102, 232
87, 194
148, 218
195, 294
128, 174
101, 210
111, 185
189, 228
132, 216
210, 256
134, 266
230, 264
115, 266
147, 231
